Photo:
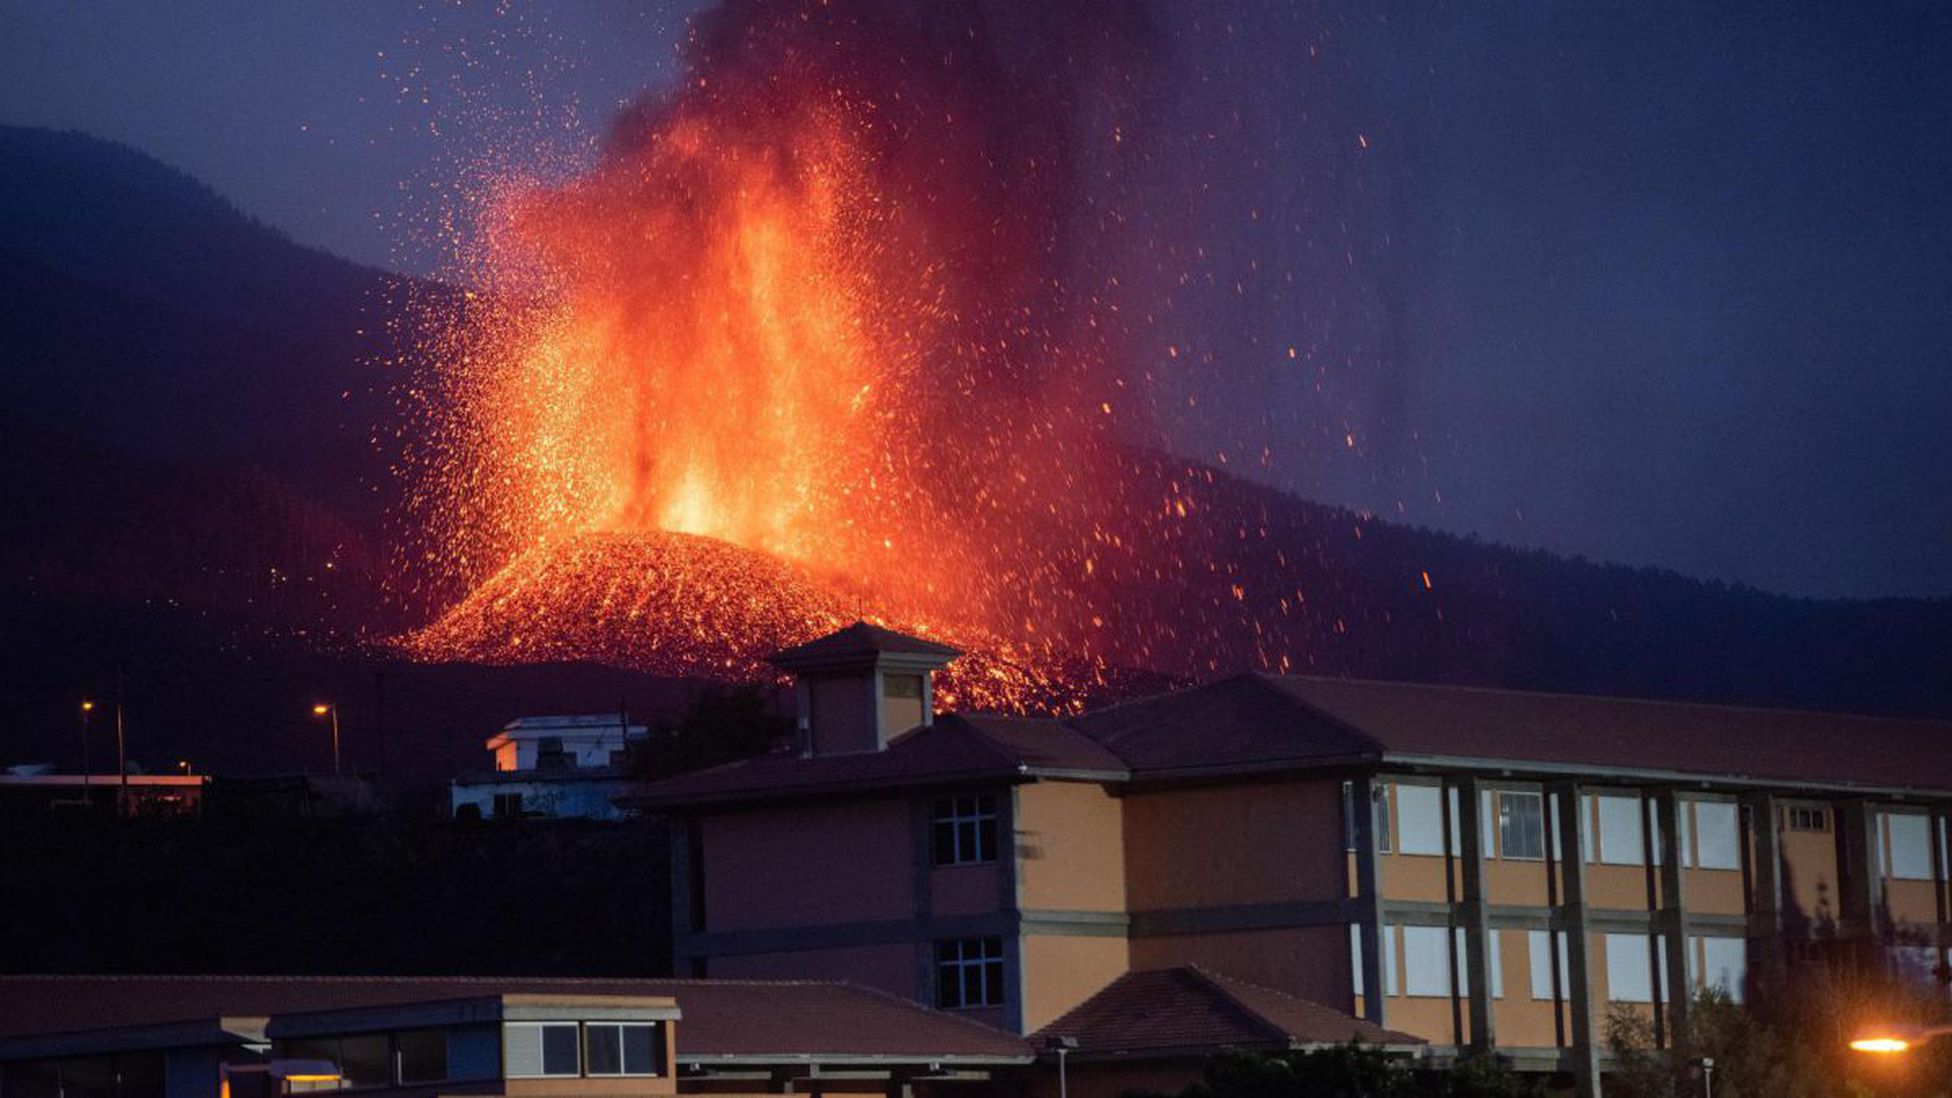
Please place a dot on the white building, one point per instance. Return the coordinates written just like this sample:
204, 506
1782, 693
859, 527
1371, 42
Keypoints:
558, 767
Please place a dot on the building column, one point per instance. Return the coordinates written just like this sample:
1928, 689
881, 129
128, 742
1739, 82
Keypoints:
1572, 922
1369, 900
1472, 915
1765, 889
922, 898
1009, 862
1858, 872
1671, 921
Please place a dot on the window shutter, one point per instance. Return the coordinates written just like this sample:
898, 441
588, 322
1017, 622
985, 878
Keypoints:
522, 1050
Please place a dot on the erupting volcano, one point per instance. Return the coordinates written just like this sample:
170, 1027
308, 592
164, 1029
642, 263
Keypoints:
815, 339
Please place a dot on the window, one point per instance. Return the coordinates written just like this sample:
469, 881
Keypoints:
532, 1049
1724, 965
901, 686
1521, 826
1717, 835
1621, 839
365, 1059
1537, 942
964, 829
1419, 819
616, 1048
1808, 818
423, 1055
1386, 940
1426, 961
1910, 845
1630, 972
1379, 799
969, 973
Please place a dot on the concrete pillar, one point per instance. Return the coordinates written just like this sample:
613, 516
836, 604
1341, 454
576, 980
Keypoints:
1764, 840
1472, 915
1369, 900
1572, 920
1671, 921
1859, 877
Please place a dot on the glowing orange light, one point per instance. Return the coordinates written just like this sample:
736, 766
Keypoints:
321, 710
88, 707
1881, 1044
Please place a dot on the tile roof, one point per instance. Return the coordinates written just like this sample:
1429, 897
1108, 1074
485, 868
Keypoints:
1257, 722
860, 642
957, 747
1239, 723
1186, 1009
1619, 733
757, 1019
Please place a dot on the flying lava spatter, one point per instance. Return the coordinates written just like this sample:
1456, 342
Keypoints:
810, 343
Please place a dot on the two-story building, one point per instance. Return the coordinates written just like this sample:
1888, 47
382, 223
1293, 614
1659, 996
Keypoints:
1476, 868
553, 767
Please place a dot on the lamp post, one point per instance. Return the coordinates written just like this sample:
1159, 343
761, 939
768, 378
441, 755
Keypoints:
283, 1071
121, 759
331, 710
1063, 1046
87, 710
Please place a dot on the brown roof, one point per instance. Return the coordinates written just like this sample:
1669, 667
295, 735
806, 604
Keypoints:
1238, 723
756, 1019
1258, 722
860, 643
956, 748
1190, 1009
1571, 730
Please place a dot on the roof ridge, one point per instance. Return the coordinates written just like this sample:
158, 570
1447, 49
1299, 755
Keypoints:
1613, 699
1215, 982
910, 1004
1267, 684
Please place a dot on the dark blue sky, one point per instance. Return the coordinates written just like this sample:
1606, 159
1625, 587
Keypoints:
1661, 284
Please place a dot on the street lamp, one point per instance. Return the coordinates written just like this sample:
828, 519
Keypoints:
1063, 1046
284, 1071
87, 711
1889, 1040
329, 709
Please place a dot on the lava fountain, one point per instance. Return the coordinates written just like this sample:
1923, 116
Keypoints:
804, 345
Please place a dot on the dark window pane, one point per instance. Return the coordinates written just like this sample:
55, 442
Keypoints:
641, 1050
993, 983
986, 840
366, 1060
605, 1050
141, 1074
946, 988
945, 843
559, 1055
423, 1055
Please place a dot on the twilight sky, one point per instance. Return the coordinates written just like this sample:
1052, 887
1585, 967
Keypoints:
1659, 284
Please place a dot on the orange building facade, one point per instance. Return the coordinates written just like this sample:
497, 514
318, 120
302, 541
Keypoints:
1478, 869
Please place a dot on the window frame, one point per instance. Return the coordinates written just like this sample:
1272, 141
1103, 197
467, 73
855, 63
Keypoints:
955, 958
1821, 814
542, 1050
1504, 819
963, 818
623, 1058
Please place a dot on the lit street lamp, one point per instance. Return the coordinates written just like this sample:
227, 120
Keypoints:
328, 709
1895, 1039
87, 710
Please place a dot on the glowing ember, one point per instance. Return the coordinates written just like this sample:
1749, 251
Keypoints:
812, 307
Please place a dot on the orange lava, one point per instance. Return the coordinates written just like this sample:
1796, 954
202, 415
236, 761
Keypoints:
809, 312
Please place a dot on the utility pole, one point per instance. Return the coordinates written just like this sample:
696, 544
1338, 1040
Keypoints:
121, 753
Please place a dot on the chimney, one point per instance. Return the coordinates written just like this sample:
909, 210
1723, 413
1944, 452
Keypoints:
862, 686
